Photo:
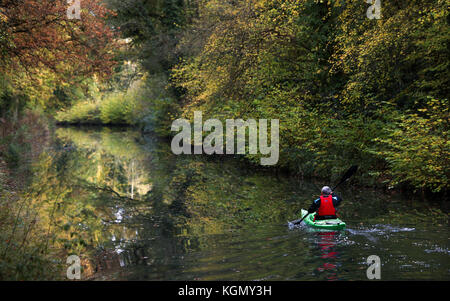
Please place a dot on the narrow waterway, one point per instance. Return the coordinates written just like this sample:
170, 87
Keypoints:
138, 212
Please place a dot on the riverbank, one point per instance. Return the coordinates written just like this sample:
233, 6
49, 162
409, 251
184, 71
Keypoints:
23, 249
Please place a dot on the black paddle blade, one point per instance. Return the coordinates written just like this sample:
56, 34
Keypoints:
347, 175
350, 172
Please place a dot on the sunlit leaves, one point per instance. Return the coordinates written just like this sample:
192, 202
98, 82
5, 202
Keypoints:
418, 147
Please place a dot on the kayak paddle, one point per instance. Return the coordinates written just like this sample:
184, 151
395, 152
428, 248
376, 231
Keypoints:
344, 178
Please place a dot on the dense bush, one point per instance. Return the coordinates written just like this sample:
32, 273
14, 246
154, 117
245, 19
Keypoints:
417, 147
83, 112
117, 109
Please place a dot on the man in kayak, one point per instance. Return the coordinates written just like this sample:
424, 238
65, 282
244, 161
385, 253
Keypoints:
325, 205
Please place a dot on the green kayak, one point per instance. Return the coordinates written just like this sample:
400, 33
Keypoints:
331, 224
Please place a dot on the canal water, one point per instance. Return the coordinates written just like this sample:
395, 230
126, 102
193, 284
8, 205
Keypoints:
123, 202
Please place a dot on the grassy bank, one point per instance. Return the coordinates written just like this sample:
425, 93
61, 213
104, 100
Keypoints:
117, 109
147, 105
